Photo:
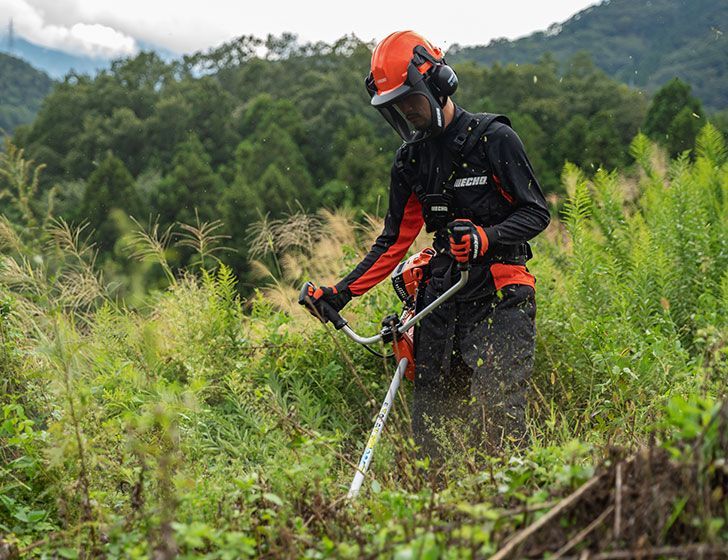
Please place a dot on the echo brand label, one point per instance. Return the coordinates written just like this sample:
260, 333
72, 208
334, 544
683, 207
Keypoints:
470, 181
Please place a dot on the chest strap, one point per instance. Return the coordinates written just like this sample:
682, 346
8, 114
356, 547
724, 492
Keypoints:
469, 136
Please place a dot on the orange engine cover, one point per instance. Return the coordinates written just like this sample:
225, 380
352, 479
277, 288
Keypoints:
410, 273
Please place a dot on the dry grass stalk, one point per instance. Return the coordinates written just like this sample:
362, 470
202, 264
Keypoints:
202, 238
79, 290
21, 177
9, 239
150, 244
581, 535
522, 536
73, 241
21, 275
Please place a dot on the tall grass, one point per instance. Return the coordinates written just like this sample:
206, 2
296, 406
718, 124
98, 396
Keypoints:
202, 424
633, 304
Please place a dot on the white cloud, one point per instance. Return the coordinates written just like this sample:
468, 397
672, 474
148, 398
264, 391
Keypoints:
189, 25
100, 40
77, 37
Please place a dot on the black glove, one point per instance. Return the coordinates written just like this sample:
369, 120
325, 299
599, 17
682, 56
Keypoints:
335, 298
325, 303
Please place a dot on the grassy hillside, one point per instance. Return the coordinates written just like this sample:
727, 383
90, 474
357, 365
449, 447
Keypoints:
205, 426
22, 88
641, 43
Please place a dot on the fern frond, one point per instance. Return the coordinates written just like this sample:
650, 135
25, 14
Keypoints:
710, 145
578, 208
641, 150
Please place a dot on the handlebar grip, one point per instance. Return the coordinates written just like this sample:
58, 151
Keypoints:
457, 232
321, 309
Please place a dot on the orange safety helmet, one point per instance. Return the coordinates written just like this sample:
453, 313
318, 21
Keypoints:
405, 63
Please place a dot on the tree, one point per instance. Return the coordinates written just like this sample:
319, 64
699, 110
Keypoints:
191, 185
238, 207
674, 117
272, 154
109, 187
603, 145
365, 171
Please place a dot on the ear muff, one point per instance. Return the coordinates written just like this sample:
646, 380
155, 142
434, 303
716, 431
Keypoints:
441, 78
443, 81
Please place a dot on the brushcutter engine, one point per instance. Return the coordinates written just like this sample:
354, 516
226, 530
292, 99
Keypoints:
407, 278
410, 273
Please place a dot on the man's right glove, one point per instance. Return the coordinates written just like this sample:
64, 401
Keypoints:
321, 298
468, 245
335, 298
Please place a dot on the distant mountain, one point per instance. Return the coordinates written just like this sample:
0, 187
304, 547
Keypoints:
52, 61
643, 43
22, 88
58, 63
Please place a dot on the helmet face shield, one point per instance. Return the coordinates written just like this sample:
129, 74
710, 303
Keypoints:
414, 125
423, 117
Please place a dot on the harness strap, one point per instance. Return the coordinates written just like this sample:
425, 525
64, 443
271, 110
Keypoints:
403, 164
468, 137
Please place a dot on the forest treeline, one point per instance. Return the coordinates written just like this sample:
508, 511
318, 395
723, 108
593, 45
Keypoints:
236, 135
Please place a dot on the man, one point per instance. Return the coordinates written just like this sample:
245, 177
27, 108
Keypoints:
474, 355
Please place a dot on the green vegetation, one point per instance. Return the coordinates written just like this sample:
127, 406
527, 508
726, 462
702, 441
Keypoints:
22, 88
162, 395
674, 117
234, 136
643, 44
205, 425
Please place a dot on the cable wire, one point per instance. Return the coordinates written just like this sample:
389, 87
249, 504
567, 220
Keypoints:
377, 353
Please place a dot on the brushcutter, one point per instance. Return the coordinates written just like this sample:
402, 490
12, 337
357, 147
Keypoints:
398, 330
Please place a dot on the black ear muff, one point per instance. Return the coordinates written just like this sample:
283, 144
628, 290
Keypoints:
441, 78
444, 81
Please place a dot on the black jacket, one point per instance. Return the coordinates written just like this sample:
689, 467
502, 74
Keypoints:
493, 185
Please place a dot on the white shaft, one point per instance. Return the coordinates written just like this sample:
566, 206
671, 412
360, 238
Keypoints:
366, 457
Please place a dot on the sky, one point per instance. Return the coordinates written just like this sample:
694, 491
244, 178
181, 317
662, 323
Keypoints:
111, 28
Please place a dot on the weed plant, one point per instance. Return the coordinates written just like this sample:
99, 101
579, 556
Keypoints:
201, 425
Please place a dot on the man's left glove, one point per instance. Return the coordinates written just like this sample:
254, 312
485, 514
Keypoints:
467, 246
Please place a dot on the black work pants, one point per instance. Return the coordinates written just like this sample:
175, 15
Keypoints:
473, 361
